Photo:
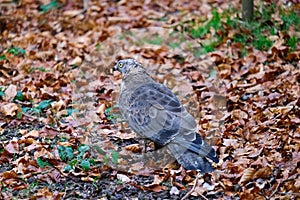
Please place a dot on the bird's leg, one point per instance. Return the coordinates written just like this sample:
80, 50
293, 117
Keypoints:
144, 144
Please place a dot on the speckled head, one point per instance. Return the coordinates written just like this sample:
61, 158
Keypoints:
124, 66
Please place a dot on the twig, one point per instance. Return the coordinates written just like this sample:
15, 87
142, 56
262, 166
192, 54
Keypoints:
193, 188
289, 193
286, 180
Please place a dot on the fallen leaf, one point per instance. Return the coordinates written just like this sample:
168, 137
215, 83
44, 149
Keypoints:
123, 178
247, 175
10, 93
12, 147
10, 109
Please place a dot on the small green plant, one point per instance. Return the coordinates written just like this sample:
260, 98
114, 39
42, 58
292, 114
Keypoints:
16, 51
50, 6
109, 115
19, 96
292, 42
42, 163
32, 186
1, 92
115, 157
156, 40
289, 18
174, 45
201, 30
67, 154
41, 69
39, 108
2, 57
98, 46
217, 30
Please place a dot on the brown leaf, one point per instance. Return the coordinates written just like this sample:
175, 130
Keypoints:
33, 133
125, 136
58, 105
9, 175
263, 172
10, 109
135, 148
123, 178
44, 193
12, 147
247, 175
10, 93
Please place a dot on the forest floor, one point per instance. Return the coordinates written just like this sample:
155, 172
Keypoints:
61, 135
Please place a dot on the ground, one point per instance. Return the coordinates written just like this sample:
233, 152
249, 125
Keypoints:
61, 133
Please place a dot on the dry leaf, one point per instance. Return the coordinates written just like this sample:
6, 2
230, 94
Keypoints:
10, 93
247, 175
10, 109
12, 147
135, 148
123, 178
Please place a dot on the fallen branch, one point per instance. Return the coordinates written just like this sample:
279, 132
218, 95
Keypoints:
193, 188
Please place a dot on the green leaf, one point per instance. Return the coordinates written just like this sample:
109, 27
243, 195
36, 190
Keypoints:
69, 153
42, 69
115, 157
61, 152
70, 111
292, 42
33, 185
100, 150
19, 115
1, 93
212, 73
2, 57
105, 159
92, 161
83, 148
52, 5
98, 46
16, 51
108, 114
199, 32
44, 104
19, 96
174, 45
156, 40
73, 162
42, 163
85, 164
25, 109
67, 168
65, 153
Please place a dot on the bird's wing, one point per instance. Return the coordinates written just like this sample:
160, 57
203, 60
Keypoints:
155, 112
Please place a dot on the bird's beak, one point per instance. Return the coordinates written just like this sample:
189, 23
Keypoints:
115, 68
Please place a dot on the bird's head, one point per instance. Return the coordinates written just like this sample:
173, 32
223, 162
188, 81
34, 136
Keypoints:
126, 65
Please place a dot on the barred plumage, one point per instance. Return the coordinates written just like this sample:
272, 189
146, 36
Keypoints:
153, 111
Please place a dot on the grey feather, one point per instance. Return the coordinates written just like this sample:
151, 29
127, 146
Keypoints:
153, 111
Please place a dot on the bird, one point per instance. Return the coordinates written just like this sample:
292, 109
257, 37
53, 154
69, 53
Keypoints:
153, 111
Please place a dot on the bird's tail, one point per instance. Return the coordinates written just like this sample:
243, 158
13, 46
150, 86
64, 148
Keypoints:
192, 155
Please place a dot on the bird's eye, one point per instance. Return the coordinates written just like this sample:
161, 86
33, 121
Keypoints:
120, 65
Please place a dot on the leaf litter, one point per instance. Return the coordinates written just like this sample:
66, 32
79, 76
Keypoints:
58, 92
